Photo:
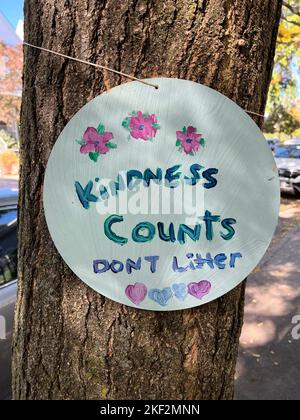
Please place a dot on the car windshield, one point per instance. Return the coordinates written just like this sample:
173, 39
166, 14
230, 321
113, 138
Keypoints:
8, 245
288, 152
7, 218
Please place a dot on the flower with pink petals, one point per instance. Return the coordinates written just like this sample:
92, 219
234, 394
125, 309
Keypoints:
189, 141
96, 142
141, 126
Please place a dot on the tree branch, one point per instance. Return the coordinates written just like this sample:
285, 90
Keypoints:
294, 9
293, 22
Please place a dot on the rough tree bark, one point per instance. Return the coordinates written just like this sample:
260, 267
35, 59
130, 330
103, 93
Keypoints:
71, 343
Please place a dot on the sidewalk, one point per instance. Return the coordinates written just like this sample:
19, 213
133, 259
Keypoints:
269, 362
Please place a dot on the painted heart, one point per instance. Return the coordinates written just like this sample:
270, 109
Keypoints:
161, 296
180, 291
136, 292
198, 290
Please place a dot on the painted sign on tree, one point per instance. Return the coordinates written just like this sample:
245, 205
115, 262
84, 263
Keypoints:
162, 199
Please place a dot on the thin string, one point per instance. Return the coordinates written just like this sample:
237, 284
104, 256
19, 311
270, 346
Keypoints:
254, 113
99, 66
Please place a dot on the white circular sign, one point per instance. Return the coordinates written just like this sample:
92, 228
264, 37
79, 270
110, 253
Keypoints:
161, 199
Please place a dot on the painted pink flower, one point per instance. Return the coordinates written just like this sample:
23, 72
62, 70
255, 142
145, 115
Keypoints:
141, 126
95, 142
189, 140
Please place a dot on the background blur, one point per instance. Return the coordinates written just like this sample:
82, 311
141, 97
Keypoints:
11, 55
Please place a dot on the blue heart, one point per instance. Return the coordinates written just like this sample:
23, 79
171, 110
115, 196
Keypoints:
161, 296
180, 291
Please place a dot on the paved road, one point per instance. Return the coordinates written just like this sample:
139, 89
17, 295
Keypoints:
269, 362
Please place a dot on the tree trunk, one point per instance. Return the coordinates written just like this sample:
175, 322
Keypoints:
70, 342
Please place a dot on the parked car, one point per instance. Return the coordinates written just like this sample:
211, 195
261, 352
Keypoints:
288, 162
273, 143
8, 283
295, 141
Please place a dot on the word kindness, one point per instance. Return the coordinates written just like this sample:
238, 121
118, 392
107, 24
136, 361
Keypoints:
92, 192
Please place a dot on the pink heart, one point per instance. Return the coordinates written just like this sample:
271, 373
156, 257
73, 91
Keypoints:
198, 290
136, 292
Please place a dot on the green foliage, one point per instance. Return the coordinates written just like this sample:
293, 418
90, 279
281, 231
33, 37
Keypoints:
282, 102
297, 133
8, 139
281, 121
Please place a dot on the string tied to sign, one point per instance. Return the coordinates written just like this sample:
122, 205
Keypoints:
99, 66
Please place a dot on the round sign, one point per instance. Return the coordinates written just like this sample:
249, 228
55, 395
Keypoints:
161, 199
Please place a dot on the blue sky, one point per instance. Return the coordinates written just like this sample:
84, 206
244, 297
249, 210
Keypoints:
13, 10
